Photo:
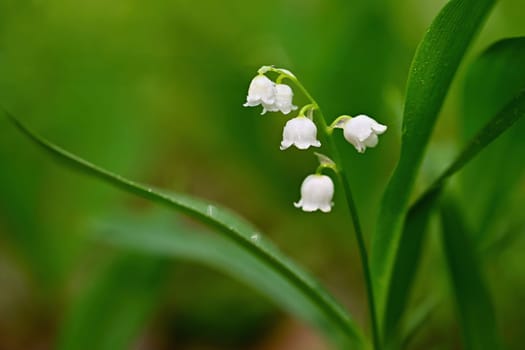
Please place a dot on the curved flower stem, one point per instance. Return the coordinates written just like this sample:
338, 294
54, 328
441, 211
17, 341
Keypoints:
351, 206
309, 106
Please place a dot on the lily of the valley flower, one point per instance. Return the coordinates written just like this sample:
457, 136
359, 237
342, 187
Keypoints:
361, 131
273, 97
261, 91
283, 99
317, 192
301, 132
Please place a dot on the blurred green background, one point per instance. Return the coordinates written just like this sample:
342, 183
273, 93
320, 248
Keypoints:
154, 91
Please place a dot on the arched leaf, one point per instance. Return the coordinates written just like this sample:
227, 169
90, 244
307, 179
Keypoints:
433, 68
331, 315
412, 237
475, 309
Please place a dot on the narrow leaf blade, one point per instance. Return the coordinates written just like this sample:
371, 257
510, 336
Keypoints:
412, 238
433, 68
476, 312
161, 236
493, 79
406, 264
219, 220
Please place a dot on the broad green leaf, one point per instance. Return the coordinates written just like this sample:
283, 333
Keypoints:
406, 264
492, 80
109, 314
475, 309
433, 67
224, 222
493, 77
412, 237
160, 235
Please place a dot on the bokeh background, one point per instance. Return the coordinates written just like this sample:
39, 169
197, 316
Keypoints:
154, 90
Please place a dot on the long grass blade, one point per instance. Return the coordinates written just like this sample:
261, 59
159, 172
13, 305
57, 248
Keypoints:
491, 82
433, 68
219, 220
412, 238
475, 309
160, 235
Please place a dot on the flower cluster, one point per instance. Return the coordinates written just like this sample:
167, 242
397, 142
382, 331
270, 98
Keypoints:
361, 131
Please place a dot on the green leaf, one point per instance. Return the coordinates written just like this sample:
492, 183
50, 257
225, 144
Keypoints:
406, 264
160, 235
476, 312
110, 314
412, 238
493, 79
496, 73
222, 221
417, 319
433, 68
500, 65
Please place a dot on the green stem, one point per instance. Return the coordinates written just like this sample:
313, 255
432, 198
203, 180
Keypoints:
353, 211
303, 110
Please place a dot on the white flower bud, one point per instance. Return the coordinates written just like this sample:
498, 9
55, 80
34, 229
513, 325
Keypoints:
261, 91
361, 131
317, 192
301, 132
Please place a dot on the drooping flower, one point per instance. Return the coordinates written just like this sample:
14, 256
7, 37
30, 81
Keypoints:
283, 99
261, 92
301, 132
317, 192
361, 131
272, 97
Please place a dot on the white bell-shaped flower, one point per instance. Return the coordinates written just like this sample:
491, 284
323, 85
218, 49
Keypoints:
261, 92
301, 132
283, 99
361, 131
317, 192
272, 97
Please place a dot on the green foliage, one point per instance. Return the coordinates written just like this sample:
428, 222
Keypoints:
411, 244
160, 235
406, 265
246, 264
220, 220
433, 67
160, 97
492, 81
475, 309
109, 314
